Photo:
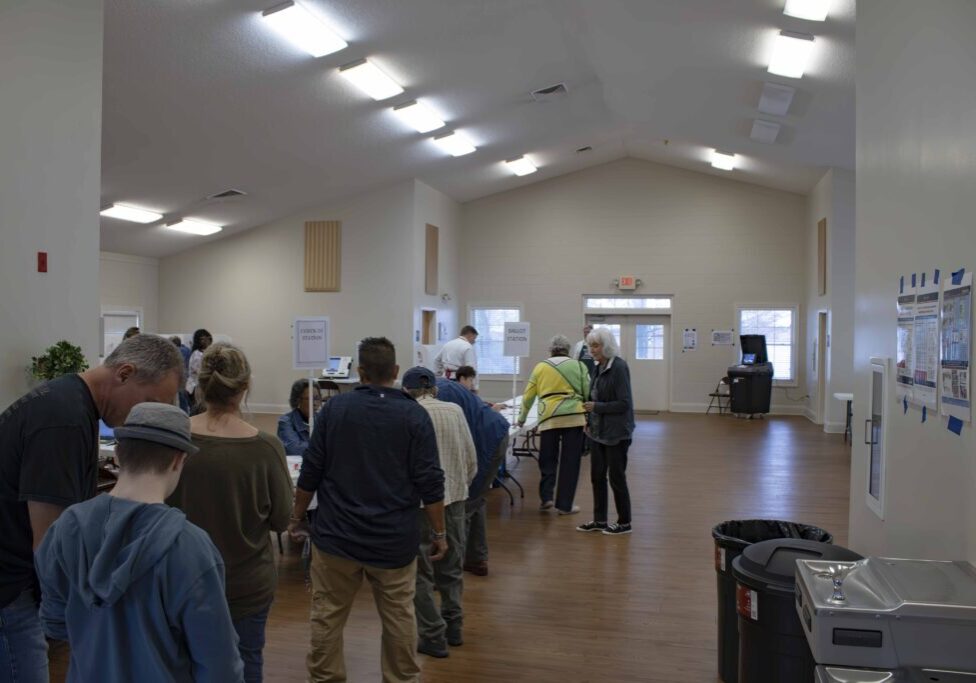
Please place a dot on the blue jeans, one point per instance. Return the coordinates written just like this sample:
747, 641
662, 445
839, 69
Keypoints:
23, 650
250, 634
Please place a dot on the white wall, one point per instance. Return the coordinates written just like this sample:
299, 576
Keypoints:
50, 167
251, 286
833, 199
130, 283
916, 161
711, 242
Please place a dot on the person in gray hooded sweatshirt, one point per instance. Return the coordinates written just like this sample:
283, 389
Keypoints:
136, 589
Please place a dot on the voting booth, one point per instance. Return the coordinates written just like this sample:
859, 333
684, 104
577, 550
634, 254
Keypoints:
751, 381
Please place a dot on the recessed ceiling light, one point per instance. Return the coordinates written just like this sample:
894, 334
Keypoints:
776, 99
521, 166
724, 162
454, 144
418, 116
131, 213
812, 10
791, 54
764, 131
195, 227
302, 29
370, 79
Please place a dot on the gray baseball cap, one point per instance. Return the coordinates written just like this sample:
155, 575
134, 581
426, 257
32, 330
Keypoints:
160, 423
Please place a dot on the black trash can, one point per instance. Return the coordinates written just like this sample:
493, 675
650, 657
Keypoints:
772, 645
731, 538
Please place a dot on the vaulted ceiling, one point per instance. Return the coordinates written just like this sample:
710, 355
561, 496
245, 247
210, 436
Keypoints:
200, 97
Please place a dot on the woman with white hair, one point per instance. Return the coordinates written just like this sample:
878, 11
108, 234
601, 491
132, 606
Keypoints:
611, 426
560, 384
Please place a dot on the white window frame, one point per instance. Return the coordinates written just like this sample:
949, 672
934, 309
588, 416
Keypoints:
664, 340
490, 305
794, 343
587, 310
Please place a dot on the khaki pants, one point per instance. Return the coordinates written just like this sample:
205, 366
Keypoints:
335, 582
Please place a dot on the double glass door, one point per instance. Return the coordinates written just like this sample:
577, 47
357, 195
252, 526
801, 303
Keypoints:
645, 343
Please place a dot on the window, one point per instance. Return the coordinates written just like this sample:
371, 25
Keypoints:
114, 325
490, 345
778, 324
650, 342
597, 303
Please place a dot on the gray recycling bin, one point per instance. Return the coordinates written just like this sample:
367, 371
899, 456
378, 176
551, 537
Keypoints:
772, 643
731, 538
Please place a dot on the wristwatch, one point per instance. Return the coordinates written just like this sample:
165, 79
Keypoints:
438, 535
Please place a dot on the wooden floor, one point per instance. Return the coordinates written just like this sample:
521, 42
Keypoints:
563, 606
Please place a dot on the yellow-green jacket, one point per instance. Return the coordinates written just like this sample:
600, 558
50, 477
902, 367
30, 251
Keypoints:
561, 385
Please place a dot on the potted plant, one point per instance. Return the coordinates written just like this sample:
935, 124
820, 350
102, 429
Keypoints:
61, 359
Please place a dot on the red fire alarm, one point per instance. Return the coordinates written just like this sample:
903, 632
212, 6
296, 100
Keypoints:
42, 262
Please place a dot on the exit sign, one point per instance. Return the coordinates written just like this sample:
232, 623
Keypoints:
627, 282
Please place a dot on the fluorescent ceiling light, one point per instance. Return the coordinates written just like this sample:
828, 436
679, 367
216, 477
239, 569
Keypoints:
764, 131
195, 227
303, 29
131, 213
418, 116
812, 10
454, 144
776, 99
370, 79
791, 54
725, 162
521, 166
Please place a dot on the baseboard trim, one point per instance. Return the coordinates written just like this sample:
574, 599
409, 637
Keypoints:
834, 427
702, 407
810, 415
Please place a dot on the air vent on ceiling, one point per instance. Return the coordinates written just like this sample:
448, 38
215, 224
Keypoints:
228, 194
550, 93
584, 149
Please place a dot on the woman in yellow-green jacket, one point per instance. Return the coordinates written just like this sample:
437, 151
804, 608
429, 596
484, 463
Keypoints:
561, 385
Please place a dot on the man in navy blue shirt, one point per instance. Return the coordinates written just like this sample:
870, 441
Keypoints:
372, 460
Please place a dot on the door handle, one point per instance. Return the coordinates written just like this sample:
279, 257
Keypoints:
869, 440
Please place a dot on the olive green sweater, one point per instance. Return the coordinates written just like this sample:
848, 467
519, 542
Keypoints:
238, 490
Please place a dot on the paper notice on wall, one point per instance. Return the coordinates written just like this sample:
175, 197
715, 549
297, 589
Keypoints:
310, 337
904, 351
723, 337
689, 340
957, 315
926, 347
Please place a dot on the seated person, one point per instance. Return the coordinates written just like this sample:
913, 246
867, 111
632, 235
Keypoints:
129, 582
293, 426
465, 376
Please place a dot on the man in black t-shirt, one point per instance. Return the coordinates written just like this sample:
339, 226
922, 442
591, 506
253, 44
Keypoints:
48, 461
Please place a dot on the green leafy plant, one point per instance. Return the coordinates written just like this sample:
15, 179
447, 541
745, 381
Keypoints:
61, 359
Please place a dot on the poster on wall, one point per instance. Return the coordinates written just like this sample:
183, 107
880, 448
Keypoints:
689, 340
904, 353
926, 346
957, 315
723, 337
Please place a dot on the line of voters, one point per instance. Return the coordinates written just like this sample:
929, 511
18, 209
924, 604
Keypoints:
177, 561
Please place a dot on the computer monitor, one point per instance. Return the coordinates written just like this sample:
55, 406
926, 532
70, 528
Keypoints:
748, 359
338, 367
333, 365
756, 345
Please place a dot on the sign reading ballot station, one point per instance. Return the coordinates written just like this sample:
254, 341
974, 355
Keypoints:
516, 339
311, 346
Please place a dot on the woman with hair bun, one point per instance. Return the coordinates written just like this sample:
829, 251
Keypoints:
237, 489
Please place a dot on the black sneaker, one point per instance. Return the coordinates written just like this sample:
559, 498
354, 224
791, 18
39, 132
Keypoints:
592, 526
454, 637
617, 529
432, 649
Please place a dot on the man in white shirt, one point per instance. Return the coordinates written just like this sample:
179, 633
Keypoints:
438, 628
456, 353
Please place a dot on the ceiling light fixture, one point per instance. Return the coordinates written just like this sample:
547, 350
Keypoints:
811, 10
776, 99
131, 213
302, 29
454, 144
791, 54
521, 166
724, 162
195, 227
370, 79
418, 116
764, 131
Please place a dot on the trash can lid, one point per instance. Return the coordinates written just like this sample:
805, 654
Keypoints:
833, 674
773, 563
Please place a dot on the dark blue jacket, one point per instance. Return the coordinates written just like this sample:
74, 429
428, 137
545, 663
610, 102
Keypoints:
293, 432
612, 419
488, 428
138, 592
372, 460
